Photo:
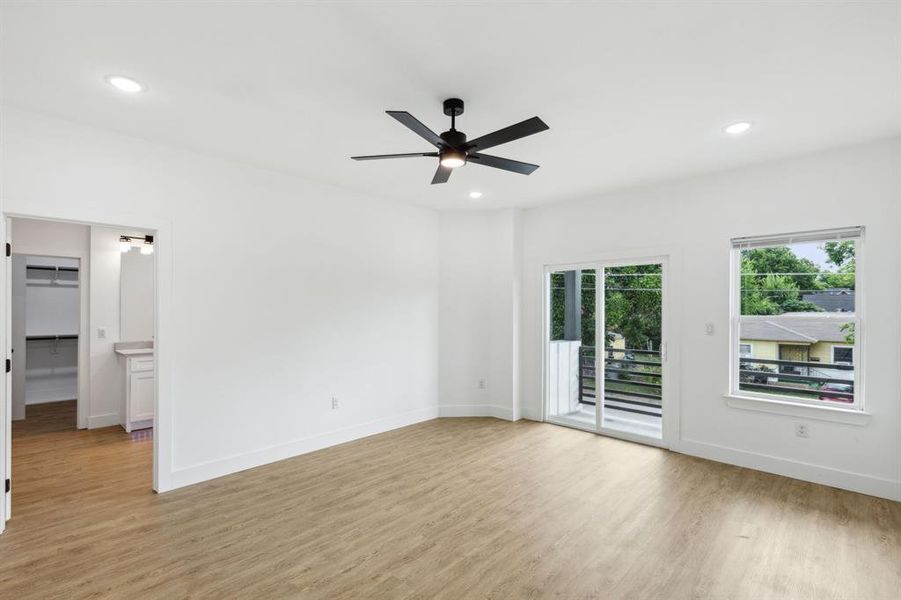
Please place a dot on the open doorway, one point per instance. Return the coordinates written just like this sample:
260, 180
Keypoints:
81, 392
46, 325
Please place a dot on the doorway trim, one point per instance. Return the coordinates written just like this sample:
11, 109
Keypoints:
670, 258
164, 336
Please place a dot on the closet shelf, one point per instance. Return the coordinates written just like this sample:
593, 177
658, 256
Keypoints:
49, 268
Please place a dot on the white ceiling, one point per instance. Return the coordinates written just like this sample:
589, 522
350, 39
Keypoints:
633, 92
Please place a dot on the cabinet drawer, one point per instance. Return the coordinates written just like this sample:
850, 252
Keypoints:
141, 364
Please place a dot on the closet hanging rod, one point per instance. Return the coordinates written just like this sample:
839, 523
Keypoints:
46, 268
51, 338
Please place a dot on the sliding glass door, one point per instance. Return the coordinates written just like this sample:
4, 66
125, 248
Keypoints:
605, 349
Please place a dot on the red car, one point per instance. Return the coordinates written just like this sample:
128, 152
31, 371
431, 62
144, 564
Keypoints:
842, 388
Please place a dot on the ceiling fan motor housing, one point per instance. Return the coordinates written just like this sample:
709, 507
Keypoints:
454, 138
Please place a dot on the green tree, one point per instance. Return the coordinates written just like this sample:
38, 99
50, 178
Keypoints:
632, 305
773, 280
632, 301
842, 256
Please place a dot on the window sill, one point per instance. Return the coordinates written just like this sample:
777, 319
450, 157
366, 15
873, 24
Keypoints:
793, 409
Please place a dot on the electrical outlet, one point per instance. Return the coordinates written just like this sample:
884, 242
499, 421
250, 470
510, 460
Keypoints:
334, 403
801, 430
101, 333
483, 384
708, 328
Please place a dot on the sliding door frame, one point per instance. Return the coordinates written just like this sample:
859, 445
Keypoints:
669, 354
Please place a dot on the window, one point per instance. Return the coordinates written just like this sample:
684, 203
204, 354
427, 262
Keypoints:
843, 354
795, 318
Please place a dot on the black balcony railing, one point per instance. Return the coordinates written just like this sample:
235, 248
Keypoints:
804, 379
632, 379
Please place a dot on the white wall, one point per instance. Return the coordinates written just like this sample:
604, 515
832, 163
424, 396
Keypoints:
695, 219
107, 391
284, 293
479, 279
136, 293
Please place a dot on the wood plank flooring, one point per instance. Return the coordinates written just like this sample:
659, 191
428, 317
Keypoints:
452, 508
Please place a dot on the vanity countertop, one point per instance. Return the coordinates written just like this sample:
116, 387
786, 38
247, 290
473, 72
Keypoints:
134, 351
133, 348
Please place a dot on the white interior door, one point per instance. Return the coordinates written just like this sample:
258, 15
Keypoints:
6, 409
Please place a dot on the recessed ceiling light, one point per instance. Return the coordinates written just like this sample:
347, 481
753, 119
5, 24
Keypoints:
475, 195
737, 128
124, 84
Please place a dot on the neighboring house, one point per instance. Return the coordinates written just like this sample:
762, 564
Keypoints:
834, 300
798, 339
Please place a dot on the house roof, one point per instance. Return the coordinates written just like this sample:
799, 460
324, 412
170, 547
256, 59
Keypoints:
792, 329
838, 300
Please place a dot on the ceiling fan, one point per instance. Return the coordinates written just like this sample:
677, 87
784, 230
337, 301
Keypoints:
453, 149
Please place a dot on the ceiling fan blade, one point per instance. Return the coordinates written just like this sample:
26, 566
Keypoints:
508, 134
380, 156
497, 162
417, 127
442, 174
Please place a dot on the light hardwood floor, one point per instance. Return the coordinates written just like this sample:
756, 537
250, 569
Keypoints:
452, 508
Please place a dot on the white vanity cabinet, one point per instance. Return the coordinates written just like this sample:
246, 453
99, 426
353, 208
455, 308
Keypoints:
139, 388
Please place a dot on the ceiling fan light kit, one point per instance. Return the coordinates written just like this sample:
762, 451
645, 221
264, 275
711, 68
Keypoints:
453, 148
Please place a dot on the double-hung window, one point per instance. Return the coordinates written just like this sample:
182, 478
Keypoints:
796, 318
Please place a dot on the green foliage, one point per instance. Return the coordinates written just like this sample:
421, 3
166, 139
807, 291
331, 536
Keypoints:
775, 279
767, 291
849, 329
557, 306
753, 299
781, 259
633, 304
842, 255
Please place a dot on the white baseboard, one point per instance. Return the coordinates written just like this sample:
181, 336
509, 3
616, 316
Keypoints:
846, 480
240, 462
50, 396
476, 410
104, 420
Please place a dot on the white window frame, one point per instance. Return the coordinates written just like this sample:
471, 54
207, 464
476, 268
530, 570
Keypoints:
739, 244
750, 348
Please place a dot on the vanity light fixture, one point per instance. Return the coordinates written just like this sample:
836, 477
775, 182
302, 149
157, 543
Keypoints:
127, 242
147, 246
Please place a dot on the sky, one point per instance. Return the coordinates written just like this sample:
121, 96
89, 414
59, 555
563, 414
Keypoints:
813, 251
